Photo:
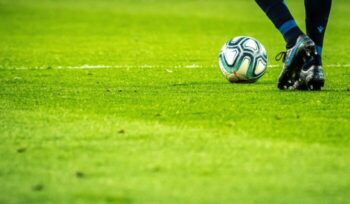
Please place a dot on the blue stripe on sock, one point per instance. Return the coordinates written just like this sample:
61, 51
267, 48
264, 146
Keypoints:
319, 49
287, 26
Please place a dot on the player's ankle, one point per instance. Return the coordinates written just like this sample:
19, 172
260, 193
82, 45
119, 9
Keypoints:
292, 37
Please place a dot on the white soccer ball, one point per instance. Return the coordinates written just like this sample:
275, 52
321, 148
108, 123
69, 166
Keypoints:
243, 59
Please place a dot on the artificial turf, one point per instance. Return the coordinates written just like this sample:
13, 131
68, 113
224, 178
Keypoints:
159, 124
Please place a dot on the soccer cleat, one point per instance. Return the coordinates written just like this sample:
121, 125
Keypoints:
293, 61
311, 75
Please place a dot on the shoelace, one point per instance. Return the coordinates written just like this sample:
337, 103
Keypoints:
281, 56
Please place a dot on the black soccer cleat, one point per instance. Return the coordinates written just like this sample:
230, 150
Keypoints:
311, 75
293, 61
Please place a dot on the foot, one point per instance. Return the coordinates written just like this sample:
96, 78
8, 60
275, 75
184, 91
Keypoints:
293, 61
311, 75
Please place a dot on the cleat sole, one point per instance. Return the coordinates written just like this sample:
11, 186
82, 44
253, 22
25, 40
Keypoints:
315, 85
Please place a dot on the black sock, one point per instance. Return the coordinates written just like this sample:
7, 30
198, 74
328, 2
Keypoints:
317, 13
280, 16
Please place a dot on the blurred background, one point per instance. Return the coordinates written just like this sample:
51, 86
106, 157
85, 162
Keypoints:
51, 33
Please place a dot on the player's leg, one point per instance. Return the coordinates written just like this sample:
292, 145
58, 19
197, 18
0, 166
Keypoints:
317, 13
297, 46
279, 14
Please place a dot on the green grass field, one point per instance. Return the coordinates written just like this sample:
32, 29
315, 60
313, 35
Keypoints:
159, 123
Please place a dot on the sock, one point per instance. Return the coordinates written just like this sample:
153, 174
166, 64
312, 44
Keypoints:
279, 14
317, 13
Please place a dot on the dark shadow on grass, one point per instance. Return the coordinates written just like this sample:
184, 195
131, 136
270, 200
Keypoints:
223, 83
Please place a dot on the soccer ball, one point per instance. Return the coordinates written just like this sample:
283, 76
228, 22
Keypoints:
243, 59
